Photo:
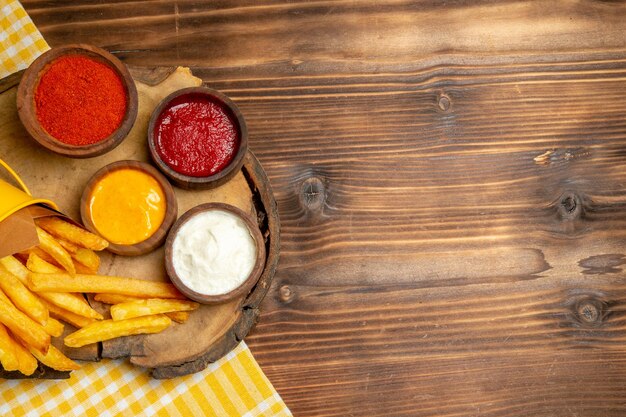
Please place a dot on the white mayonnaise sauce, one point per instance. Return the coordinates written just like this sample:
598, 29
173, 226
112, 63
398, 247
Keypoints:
213, 252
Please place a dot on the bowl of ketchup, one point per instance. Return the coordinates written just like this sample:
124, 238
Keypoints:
198, 138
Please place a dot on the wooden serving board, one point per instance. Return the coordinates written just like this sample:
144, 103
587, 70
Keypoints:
211, 331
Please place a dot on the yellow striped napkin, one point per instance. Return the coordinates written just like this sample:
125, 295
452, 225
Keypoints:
20, 41
232, 386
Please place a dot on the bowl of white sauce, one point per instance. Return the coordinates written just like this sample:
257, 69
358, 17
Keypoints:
214, 253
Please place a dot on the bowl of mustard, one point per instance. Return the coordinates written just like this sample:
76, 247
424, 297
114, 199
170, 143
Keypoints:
130, 204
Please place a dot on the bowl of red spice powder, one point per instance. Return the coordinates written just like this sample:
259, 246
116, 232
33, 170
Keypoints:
198, 138
77, 100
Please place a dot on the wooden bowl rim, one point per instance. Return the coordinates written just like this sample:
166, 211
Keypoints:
171, 210
219, 178
245, 287
28, 112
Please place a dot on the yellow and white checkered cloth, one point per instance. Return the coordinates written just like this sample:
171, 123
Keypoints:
232, 386
20, 41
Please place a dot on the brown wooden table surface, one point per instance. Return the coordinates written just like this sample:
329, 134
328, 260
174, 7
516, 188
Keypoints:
451, 181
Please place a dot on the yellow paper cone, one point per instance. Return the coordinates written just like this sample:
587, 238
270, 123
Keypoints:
12, 198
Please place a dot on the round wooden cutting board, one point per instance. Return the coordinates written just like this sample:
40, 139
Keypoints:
212, 330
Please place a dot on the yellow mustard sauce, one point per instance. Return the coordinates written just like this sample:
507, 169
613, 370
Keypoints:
127, 206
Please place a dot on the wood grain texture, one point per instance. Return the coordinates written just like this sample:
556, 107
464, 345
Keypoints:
450, 178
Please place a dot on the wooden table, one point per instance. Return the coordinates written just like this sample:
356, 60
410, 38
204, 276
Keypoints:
451, 180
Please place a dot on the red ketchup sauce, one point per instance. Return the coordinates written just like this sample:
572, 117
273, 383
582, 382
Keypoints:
196, 136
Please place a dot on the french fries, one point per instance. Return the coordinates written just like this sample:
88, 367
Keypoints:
68, 246
22, 298
41, 287
24, 327
8, 357
71, 302
4, 298
67, 316
151, 306
73, 234
82, 269
42, 254
102, 284
27, 364
36, 263
11, 264
54, 249
114, 298
87, 258
53, 327
177, 316
55, 359
110, 329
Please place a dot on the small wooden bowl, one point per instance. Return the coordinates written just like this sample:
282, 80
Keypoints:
219, 178
28, 113
252, 279
159, 235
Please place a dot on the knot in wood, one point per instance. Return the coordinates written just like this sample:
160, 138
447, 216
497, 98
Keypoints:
590, 312
312, 194
570, 206
286, 293
443, 102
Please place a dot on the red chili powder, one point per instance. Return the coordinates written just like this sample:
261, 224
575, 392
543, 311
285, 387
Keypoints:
80, 101
196, 136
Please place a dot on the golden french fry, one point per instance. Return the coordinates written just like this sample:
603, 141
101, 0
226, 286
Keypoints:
22, 298
53, 327
71, 302
114, 298
52, 247
178, 316
102, 284
8, 358
24, 327
82, 269
68, 246
67, 316
11, 264
43, 255
148, 307
36, 264
55, 359
27, 364
88, 258
4, 298
73, 234
68, 301
110, 329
